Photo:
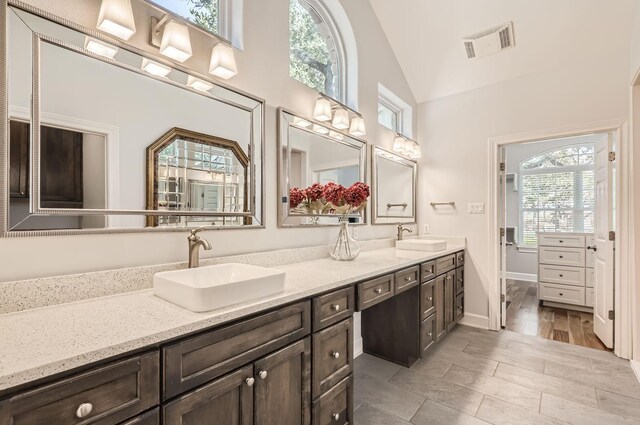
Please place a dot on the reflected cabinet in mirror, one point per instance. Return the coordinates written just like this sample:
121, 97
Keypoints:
105, 139
394, 188
311, 154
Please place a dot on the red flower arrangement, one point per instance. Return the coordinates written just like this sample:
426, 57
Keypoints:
333, 198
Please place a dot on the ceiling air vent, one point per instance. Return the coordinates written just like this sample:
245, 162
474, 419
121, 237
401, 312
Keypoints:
489, 42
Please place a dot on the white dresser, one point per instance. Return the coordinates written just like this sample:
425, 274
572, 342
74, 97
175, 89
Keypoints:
565, 269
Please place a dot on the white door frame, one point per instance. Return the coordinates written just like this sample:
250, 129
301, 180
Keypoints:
623, 245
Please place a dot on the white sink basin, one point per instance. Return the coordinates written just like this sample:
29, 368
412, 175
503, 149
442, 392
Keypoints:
212, 287
430, 245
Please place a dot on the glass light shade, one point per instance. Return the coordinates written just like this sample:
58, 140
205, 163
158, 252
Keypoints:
116, 18
357, 127
408, 147
155, 68
320, 129
223, 61
398, 144
322, 110
100, 48
300, 122
417, 152
176, 43
336, 135
341, 119
198, 84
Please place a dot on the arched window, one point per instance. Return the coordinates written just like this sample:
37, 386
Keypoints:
316, 55
557, 192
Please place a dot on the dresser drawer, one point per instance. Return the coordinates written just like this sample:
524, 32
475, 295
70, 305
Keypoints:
375, 291
427, 271
459, 307
569, 240
459, 280
335, 407
407, 279
332, 356
197, 360
562, 274
591, 278
107, 395
562, 256
562, 293
445, 264
459, 258
590, 297
333, 307
427, 299
427, 333
149, 418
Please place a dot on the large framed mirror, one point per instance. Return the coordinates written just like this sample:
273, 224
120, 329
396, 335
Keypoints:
394, 188
82, 120
311, 152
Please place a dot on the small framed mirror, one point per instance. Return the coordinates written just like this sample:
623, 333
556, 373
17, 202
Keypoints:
311, 152
394, 188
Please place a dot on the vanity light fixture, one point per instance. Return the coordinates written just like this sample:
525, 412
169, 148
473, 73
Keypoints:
320, 129
155, 68
223, 61
100, 47
198, 84
322, 110
175, 42
116, 18
417, 152
340, 119
398, 144
300, 122
357, 127
336, 135
408, 147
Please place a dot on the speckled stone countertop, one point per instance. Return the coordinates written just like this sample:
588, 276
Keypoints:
41, 342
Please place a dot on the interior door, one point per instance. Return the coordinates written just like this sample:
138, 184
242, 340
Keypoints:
603, 247
502, 217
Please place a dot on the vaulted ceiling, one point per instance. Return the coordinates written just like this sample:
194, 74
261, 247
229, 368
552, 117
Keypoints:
426, 36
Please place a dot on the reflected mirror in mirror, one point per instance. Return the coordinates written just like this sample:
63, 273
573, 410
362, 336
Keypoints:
315, 153
394, 188
96, 115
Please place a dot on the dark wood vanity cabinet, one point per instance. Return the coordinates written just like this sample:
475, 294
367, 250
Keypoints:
19, 160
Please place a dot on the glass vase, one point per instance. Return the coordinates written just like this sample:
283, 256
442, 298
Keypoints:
346, 248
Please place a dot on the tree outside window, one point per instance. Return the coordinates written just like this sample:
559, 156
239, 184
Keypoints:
204, 13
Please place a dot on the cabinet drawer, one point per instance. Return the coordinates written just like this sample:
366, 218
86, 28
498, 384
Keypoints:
428, 271
591, 278
569, 240
374, 291
331, 308
407, 279
562, 293
445, 264
590, 259
197, 360
335, 407
109, 395
590, 297
562, 256
427, 299
149, 418
332, 356
427, 333
459, 280
459, 307
459, 258
562, 274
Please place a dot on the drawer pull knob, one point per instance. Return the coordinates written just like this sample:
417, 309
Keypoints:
262, 374
429, 334
561, 294
561, 241
448, 277
335, 416
407, 278
378, 290
430, 298
250, 382
84, 410
335, 355
335, 307
561, 256
460, 280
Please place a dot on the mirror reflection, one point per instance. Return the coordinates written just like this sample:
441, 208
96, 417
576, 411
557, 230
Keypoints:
394, 188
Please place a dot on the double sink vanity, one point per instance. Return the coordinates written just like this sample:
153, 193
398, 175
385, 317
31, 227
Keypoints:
284, 358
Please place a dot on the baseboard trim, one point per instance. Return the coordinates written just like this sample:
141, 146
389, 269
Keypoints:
584, 309
635, 365
357, 347
526, 277
475, 321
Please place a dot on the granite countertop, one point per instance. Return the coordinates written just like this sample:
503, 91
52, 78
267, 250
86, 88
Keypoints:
41, 342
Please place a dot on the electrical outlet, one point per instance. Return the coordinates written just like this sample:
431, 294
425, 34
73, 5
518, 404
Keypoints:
425, 229
476, 208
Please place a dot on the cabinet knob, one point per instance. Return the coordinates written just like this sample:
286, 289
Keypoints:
335, 307
335, 355
430, 298
335, 416
429, 334
460, 279
448, 277
250, 382
21, 193
561, 256
561, 294
561, 275
561, 241
84, 410
378, 290
407, 278
262, 374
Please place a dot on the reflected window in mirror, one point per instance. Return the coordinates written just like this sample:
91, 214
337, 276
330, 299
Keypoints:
394, 188
207, 14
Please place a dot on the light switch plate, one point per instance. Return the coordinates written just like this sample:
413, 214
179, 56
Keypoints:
425, 229
476, 208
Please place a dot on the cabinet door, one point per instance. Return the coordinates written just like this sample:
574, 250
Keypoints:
61, 168
440, 306
283, 386
19, 159
228, 400
450, 300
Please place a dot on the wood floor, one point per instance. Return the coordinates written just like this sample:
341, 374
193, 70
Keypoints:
525, 315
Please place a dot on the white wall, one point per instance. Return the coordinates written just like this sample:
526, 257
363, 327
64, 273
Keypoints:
263, 71
454, 133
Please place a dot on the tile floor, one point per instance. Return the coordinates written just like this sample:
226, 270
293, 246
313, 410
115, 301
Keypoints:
475, 376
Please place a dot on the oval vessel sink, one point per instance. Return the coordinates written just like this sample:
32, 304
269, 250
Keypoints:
430, 245
213, 287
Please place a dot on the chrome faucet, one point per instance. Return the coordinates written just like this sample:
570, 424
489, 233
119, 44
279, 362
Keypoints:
194, 247
401, 231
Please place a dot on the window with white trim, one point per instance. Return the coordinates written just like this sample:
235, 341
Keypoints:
389, 115
316, 57
557, 192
